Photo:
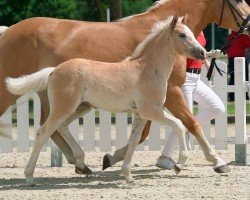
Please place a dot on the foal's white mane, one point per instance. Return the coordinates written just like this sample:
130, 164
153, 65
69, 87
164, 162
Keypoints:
157, 29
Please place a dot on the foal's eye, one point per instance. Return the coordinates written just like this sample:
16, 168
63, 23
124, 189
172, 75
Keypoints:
182, 35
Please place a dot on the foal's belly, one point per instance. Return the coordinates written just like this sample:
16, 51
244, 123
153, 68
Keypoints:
109, 102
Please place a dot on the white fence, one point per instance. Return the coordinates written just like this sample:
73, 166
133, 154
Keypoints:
107, 136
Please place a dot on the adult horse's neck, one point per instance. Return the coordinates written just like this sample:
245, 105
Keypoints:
198, 11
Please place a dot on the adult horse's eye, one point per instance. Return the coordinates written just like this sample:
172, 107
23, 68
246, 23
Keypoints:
182, 35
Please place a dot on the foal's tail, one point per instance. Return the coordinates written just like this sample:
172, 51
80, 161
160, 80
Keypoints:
2, 29
34, 82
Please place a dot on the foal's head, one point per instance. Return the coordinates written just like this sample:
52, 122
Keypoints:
184, 40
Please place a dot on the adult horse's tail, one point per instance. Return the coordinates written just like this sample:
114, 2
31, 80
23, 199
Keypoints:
3, 125
34, 82
2, 29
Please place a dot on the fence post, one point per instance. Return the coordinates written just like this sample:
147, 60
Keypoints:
6, 143
56, 155
221, 120
240, 111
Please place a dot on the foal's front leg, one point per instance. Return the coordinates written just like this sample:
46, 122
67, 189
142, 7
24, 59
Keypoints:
137, 127
156, 113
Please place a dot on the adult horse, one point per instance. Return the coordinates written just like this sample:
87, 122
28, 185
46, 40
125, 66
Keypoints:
34, 43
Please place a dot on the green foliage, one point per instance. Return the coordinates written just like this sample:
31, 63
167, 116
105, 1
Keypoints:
132, 7
220, 37
13, 11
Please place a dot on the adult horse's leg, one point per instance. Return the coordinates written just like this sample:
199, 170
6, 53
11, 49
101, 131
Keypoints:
175, 97
80, 166
56, 137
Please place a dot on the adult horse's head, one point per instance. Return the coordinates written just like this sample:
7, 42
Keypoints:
233, 14
185, 42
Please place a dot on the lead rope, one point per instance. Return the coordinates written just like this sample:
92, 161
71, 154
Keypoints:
223, 50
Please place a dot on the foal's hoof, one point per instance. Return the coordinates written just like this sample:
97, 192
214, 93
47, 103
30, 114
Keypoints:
106, 162
85, 170
177, 169
30, 182
222, 169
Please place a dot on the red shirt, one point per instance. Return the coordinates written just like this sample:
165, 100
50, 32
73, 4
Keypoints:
238, 45
193, 63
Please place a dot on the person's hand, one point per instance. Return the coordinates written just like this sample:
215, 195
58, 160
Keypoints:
214, 53
206, 63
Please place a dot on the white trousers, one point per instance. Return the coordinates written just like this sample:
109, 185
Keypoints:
209, 106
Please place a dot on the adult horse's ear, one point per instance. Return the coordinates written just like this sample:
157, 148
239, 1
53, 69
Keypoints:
184, 19
174, 21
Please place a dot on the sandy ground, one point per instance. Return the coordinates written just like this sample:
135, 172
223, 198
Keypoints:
196, 181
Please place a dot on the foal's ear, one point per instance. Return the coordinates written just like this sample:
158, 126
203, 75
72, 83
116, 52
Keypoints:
174, 21
184, 19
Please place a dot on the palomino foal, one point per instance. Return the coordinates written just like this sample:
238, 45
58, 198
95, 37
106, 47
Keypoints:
78, 85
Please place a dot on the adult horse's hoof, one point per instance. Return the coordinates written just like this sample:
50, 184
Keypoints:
222, 169
177, 169
85, 170
106, 162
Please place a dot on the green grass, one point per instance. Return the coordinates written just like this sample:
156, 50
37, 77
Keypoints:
230, 108
230, 111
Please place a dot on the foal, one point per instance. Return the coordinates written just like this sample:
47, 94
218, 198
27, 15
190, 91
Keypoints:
78, 85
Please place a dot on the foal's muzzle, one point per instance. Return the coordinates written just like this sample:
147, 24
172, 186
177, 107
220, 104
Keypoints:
199, 53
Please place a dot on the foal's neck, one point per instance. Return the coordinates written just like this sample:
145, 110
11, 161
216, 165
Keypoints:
159, 55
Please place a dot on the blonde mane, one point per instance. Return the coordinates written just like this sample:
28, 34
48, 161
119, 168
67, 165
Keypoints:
156, 5
157, 29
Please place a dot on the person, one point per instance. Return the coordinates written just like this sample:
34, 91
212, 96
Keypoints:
194, 90
239, 47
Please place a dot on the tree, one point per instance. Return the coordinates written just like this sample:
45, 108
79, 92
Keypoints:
117, 9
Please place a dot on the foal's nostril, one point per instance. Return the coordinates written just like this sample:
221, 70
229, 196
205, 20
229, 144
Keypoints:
202, 54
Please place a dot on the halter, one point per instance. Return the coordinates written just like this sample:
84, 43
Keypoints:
233, 11
240, 31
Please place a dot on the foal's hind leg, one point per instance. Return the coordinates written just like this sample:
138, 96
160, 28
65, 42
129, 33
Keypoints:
56, 137
42, 137
80, 166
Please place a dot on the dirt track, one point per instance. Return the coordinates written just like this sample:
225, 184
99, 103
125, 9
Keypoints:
197, 181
